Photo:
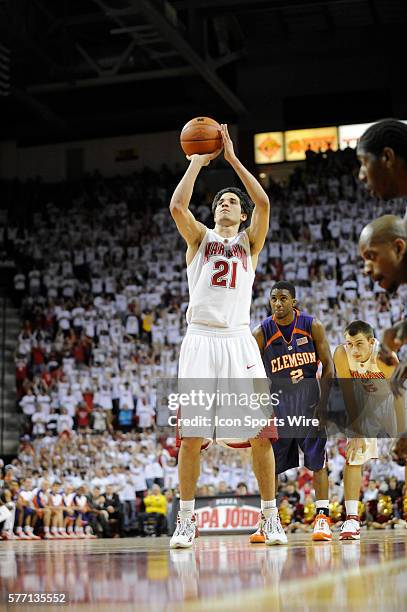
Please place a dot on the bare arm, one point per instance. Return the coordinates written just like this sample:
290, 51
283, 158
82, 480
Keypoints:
392, 340
341, 363
399, 400
259, 225
190, 229
323, 349
343, 372
258, 335
324, 353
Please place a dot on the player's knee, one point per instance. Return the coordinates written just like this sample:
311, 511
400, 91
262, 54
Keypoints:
191, 445
260, 444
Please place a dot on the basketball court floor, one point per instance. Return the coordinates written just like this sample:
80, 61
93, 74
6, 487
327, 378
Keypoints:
220, 573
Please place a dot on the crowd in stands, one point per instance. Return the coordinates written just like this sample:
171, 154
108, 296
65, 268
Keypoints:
100, 281
105, 485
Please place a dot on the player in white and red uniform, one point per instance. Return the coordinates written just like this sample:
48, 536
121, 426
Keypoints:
221, 265
358, 359
56, 501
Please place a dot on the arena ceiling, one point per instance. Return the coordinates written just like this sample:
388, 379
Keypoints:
80, 68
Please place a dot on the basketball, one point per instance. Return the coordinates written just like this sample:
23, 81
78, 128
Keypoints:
201, 135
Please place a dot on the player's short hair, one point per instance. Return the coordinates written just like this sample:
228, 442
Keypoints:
284, 285
246, 204
385, 133
359, 327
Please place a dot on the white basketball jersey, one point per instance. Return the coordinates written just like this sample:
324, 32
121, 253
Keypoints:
377, 399
220, 281
367, 369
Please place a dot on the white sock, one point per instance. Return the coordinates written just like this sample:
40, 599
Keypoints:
351, 506
186, 508
19, 530
267, 507
46, 529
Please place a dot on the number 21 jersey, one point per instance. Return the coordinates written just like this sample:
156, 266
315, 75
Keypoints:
220, 281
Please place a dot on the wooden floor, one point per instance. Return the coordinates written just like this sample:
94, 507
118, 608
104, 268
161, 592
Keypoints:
220, 573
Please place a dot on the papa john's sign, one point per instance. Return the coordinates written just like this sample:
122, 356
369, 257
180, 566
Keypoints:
229, 513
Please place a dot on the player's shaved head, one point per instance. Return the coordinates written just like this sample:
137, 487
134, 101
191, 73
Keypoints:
383, 246
384, 229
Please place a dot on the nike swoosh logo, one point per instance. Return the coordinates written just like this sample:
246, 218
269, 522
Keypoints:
252, 366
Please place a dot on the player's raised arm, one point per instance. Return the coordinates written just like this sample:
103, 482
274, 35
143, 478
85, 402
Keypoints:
259, 225
190, 229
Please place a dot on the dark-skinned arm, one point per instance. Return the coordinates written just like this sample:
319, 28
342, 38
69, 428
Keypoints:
258, 335
328, 369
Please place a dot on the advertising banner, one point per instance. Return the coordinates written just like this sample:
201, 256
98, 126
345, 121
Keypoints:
223, 514
269, 147
350, 134
297, 141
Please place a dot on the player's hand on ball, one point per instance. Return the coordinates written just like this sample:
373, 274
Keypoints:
204, 159
354, 446
229, 151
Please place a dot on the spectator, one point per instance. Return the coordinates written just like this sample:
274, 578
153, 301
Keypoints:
115, 513
156, 508
127, 495
371, 492
241, 489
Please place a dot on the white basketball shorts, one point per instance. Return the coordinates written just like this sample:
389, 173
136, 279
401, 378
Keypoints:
370, 453
230, 360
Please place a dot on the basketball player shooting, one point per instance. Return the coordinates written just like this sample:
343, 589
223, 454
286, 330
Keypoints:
221, 264
293, 344
358, 358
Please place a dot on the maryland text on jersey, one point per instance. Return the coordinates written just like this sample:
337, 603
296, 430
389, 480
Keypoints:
228, 251
356, 374
292, 361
